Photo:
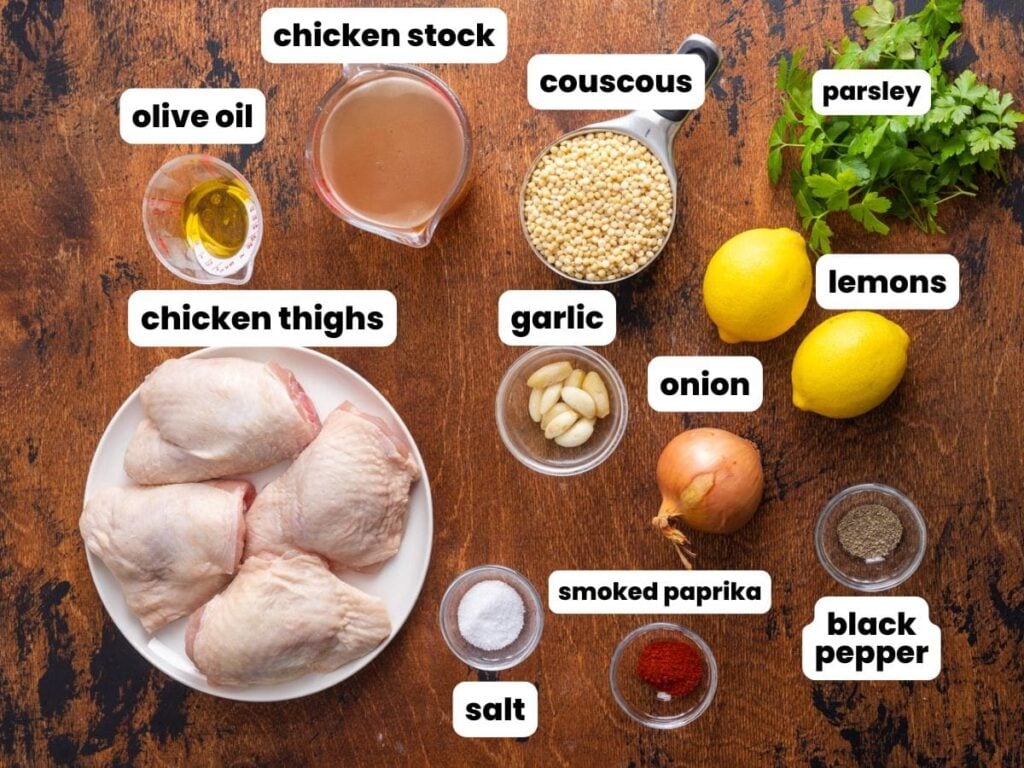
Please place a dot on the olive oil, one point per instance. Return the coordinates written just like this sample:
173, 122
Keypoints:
215, 218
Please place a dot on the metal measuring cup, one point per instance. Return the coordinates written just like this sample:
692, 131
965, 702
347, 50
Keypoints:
656, 130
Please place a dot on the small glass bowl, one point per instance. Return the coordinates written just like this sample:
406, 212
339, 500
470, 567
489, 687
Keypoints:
641, 701
523, 437
510, 655
863, 575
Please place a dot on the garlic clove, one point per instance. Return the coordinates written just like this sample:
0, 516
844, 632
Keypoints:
549, 397
535, 411
561, 423
549, 374
577, 434
579, 401
555, 411
594, 386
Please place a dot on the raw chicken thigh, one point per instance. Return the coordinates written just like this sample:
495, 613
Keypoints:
171, 547
281, 618
212, 417
345, 497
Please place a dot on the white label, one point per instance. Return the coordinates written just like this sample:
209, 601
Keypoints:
193, 115
262, 318
871, 92
672, 592
724, 384
384, 35
872, 638
887, 281
615, 81
553, 318
494, 710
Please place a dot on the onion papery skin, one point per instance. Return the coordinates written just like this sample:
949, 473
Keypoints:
710, 481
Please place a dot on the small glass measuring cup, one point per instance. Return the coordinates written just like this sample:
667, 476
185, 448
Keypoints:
656, 130
165, 231
353, 76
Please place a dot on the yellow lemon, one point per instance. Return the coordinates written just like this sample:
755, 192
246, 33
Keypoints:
758, 284
849, 364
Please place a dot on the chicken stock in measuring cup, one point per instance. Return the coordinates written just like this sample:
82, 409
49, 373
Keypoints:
389, 151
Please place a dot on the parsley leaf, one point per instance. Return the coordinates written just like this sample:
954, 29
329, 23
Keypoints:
875, 19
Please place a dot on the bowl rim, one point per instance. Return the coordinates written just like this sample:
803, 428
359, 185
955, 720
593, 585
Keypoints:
665, 723
883, 584
532, 598
619, 425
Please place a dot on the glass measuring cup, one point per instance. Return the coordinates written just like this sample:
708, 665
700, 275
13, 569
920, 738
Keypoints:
162, 206
417, 235
656, 130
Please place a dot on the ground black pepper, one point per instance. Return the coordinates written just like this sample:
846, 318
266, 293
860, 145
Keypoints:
870, 531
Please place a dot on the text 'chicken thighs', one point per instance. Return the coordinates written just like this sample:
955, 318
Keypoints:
171, 547
213, 417
345, 497
281, 618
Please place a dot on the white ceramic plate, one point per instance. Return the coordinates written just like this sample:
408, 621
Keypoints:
328, 383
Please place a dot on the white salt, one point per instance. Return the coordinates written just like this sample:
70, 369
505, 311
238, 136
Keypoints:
491, 615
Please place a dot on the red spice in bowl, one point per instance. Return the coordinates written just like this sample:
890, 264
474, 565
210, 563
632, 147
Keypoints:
663, 675
674, 667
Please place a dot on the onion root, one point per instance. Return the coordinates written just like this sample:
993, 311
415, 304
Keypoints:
711, 481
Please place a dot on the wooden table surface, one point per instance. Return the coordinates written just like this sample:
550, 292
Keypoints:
73, 691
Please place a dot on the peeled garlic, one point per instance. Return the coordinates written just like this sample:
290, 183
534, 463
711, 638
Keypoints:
549, 397
556, 410
566, 401
561, 423
579, 401
535, 411
577, 434
549, 374
594, 386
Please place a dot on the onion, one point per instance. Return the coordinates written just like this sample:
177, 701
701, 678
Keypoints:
709, 479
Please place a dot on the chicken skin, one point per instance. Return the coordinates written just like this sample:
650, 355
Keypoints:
344, 498
283, 617
171, 547
213, 417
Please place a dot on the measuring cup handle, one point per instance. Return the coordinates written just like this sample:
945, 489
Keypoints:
712, 58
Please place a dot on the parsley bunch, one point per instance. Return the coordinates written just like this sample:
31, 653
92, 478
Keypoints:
874, 166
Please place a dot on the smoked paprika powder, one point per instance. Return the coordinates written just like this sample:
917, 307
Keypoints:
673, 667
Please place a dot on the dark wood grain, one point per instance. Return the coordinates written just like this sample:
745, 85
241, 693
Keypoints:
73, 691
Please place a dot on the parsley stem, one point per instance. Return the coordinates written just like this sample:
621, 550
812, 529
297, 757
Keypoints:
803, 146
958, 193
912, 210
